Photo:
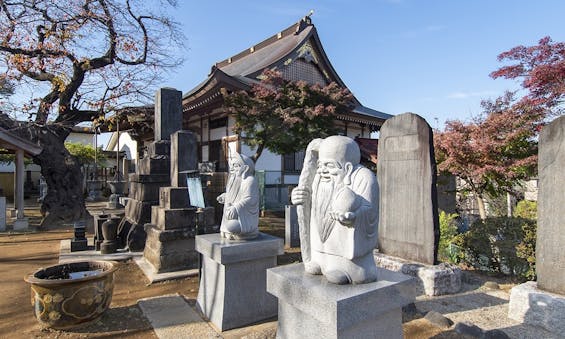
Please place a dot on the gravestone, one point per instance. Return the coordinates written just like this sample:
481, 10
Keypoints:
409, 226
550, 257
168, 113
542, 303
406, 170
291, 232
152, 171
175, 222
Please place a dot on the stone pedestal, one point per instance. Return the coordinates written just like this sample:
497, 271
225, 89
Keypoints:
21, 224
531, 305
434, 279
311, 307
98, 237
232, 290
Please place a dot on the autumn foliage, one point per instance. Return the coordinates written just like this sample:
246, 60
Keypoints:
493, 151
284, 116
541, 69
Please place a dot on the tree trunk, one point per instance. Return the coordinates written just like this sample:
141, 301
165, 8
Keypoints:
64, 202
481, 204
258, 152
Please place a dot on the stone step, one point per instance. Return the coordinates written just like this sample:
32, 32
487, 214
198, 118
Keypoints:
172, 318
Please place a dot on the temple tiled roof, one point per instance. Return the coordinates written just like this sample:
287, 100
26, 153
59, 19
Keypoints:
241, 70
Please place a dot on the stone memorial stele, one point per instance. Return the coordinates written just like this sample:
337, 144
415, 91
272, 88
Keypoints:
241, 200
406, 169
338, 212
542, 302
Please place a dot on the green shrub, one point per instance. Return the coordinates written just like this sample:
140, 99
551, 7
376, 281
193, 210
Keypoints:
526, 209
447, 231
500, 244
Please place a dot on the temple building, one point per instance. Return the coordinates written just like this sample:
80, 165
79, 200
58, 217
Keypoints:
298, 54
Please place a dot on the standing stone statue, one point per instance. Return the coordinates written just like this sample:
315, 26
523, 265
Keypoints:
338, 212
241, 200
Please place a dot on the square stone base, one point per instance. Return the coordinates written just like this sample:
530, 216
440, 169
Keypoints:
232, 290
434, 279
170, 250
311, 307
21, 224
530, 305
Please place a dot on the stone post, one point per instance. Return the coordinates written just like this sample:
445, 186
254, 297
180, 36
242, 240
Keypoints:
21, 223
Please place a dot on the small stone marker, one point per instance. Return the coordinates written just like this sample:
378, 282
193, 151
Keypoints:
406, 170
550, 257
291, 235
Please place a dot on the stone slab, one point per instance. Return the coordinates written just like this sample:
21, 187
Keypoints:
172, 318
232, 251
65, 254
149, 166
531, 305
173, 197
139, 212
184, 156
232, 293
168, 219
434, 279
155, 277
406, 170
311, 307
168, 113
550, 257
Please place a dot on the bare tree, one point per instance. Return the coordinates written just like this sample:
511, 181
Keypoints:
74, 61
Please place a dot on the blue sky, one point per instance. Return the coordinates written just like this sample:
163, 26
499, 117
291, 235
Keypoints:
430, 57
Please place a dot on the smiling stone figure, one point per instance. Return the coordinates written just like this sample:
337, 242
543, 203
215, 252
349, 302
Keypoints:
241, 200
339, 198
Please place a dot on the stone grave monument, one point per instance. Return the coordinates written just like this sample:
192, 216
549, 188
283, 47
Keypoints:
152, 172
174, 222
291, 228
337, 207
232, 290
409, 224
542, 302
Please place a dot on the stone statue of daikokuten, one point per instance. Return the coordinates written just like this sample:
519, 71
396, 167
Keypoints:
338, 212
240, 219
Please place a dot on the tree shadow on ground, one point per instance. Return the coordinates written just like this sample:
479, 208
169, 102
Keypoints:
459, 302
116, 322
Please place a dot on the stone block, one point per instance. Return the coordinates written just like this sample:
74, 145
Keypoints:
170, 250
184, 156
154, 166
144, 191
168, 219
310, 307
531, 305
159, 148
139, 212
434, 279
232, 290
406, 170
168, 113
206, 217
149, 178
174, 197
21, 224
550, 257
